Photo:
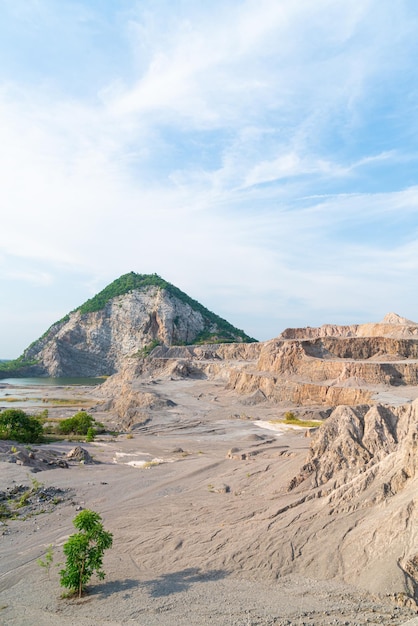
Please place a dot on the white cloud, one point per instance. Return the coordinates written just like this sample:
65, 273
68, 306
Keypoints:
35, 277
290, 165
230, 162
243, 58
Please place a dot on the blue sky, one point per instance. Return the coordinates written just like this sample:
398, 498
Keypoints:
262, 155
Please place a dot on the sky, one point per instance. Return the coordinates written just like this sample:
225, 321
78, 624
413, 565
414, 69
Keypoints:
261, 155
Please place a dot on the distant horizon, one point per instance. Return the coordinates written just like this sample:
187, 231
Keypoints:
261, 156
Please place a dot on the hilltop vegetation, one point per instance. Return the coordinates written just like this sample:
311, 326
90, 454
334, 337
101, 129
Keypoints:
121, 286
132, 281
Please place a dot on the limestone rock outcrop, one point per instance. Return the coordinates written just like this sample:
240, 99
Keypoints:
359, 438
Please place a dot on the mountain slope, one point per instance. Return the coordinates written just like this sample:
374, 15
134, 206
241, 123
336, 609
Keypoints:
130, 316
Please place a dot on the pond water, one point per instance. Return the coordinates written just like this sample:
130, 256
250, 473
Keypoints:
51, 382
25, 393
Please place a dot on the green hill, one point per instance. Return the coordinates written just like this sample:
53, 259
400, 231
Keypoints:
213, 329
132, 281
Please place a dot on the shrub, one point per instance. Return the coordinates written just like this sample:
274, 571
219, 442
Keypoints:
16, 424
43, 415
84, 551
90, 434
79, 424
289, 416
146, 350
24, 499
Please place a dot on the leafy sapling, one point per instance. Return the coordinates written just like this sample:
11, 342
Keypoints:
46, 562
90, 434
84, 551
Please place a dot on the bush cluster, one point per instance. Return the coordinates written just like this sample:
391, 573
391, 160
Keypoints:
146, 350
9, 368
78, 424
17, 425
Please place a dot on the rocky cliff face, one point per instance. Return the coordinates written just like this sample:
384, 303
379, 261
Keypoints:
96, 342
336, 364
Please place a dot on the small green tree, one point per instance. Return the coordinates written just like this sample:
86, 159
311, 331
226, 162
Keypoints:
16, 424
289, 416
84, 551
47, 561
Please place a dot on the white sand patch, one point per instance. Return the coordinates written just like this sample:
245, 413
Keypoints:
280, 429
147, 463
121, 457
122, 454
136, 463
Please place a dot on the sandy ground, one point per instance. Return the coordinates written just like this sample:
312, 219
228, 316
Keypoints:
176, 524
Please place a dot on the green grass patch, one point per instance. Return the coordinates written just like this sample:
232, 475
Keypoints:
297, 422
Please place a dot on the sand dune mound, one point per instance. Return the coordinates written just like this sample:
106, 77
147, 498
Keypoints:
363, 469
363, 439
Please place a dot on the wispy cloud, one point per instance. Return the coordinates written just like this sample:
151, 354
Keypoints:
264, 150
36, 277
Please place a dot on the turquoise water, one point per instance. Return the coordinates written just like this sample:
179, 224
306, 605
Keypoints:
51, 382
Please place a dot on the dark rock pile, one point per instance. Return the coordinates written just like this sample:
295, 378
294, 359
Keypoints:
35, 459
24, 501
